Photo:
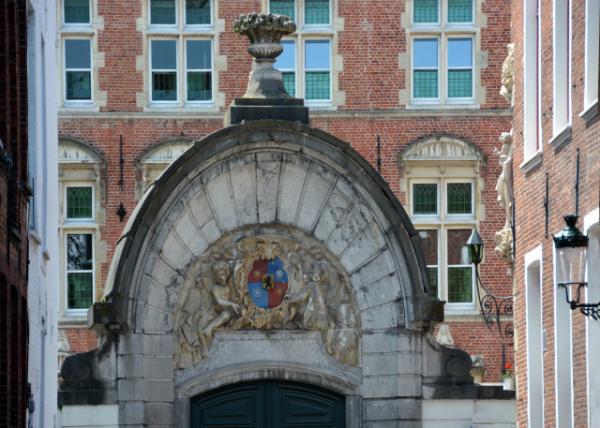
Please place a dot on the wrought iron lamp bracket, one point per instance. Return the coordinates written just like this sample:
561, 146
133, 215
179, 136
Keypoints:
494, 307
588, 309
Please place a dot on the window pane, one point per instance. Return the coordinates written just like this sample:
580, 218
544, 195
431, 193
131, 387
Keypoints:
77, 53
425, 82
425, 11
460, 10
283, 7
458, 253
164, 86
289, 82
425, 53
317, 85
460, 84
459, 198
79, 85
77, 11
80, 288
197, 12
460, 53
425, 198
316, 12
164, 55
432, 275
79, 202
460, 285
198, 55
79, 251
162, 12
287, 59
199, 86
429, 241
317, 55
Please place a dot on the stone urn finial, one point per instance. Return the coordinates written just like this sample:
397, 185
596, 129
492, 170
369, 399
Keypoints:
265, 31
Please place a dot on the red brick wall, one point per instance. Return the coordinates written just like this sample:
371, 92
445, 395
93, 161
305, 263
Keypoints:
13, 213
529, 195
371, 80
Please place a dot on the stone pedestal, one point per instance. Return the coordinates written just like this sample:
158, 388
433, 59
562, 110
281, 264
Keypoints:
247, 109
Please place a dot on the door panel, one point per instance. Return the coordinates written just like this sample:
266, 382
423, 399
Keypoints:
268, 405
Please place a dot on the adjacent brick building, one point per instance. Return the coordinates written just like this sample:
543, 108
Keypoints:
413, 85
14, 195
556, 172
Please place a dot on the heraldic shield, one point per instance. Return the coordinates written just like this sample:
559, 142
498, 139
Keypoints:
267, 283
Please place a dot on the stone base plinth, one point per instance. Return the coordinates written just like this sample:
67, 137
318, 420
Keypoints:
247, 109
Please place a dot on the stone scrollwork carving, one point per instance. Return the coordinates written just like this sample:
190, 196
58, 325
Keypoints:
215, 296
508, 74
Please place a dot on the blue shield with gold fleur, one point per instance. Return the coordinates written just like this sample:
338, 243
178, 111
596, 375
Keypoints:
267, 283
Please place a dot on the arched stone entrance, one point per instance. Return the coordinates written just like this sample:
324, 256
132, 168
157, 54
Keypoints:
354, 316
268, 404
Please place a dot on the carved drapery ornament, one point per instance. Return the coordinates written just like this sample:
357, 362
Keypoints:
215, 296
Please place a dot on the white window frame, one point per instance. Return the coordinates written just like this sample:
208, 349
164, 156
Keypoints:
76, 24
460, 100
64, 70
320, 101
443, 31
66, 201
561, 66
532, 131
187, 70
592, 53
443, 222
180, 32
77, 312
160, 70
423, 100
173, 26
426, 24
534, 304
197, 27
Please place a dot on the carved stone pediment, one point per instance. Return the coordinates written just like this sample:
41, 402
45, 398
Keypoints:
441, 148
72, 151
165, 153
215, 294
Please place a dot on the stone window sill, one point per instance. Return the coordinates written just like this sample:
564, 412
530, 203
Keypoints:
590, 114
562, 139
532, 163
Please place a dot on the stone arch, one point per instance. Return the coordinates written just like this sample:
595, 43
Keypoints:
313, 170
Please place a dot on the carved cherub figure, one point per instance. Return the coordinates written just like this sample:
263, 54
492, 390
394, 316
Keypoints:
221, 292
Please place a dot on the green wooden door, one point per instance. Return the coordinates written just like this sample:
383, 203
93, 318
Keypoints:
268, 405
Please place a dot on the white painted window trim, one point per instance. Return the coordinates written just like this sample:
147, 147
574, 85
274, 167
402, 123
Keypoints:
76, 36
563, 355
197, 27
561, 66
442, 222
211, 70
531, 258
79, 221
442, 30
531, 92
76, 313
306, 32
159, 70
78, 24
592, 52
591, 222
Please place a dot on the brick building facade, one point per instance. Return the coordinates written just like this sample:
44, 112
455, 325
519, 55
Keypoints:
14, 196
556, 172
139, 95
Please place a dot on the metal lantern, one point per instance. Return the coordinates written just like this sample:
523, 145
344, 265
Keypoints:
571, 253
475, 246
